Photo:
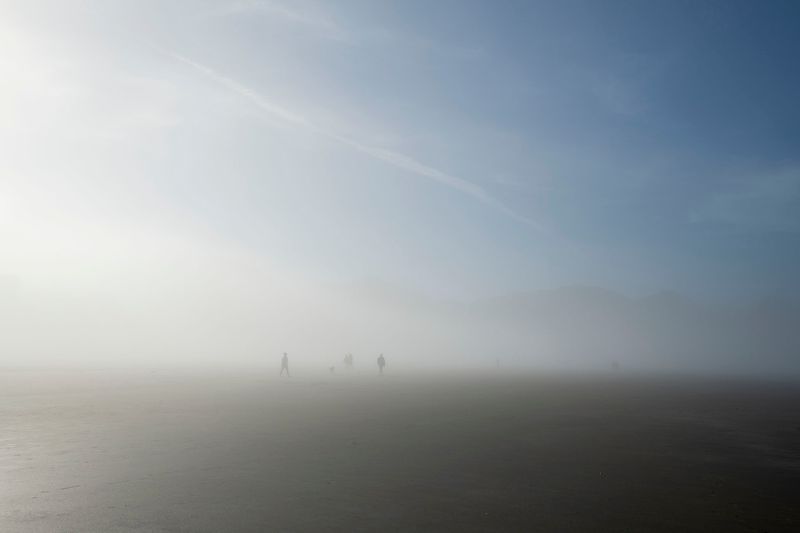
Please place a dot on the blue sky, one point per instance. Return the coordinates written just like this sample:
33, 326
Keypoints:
457, 148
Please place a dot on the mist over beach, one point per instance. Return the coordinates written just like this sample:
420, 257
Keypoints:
293, 265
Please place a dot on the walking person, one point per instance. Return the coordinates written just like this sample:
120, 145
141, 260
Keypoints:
285, 365
381, 364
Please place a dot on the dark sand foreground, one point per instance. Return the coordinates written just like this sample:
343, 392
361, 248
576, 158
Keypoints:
157, 451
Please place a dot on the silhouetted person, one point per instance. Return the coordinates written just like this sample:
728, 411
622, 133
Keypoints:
285, 365
348, 361
381, 364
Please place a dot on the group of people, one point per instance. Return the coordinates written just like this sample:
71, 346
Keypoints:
348, 363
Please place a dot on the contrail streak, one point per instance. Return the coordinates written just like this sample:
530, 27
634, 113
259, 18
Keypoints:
390, 157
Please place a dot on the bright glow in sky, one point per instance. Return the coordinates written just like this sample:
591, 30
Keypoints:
460, 150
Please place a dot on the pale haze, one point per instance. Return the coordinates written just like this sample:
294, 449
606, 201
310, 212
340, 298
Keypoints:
552, 184
399, 266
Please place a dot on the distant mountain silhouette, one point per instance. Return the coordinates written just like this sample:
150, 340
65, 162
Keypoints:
578, 325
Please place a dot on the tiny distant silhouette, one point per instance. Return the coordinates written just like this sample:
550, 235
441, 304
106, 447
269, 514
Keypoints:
381, 364
348, 361
332, 369
285, 365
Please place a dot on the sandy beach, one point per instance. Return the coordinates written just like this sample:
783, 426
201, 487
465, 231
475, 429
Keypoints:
152, 451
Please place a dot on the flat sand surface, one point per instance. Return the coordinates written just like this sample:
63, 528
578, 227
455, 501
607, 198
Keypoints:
243, 451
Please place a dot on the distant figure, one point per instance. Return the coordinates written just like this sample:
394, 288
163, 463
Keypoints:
332, 369
285, 365
381, 364
348, 361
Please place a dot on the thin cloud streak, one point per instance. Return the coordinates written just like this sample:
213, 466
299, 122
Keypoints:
390, 157
407, 163
273, 109
308, 18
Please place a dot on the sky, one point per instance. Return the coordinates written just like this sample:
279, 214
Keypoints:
456, 149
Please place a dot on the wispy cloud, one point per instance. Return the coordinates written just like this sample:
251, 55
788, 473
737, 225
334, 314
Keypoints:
304, 15
321, 22
396, 159
768, 202
415, 43
256, 98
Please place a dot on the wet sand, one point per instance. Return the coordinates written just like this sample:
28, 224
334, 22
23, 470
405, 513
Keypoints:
240, 451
